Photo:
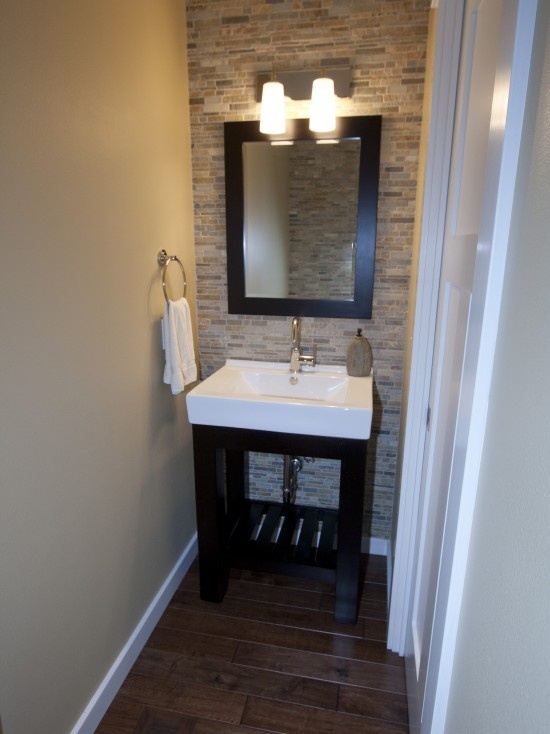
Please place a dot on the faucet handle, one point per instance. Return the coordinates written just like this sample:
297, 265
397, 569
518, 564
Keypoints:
310, 359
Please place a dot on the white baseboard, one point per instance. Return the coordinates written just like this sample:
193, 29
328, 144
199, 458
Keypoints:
375, 546
102, 698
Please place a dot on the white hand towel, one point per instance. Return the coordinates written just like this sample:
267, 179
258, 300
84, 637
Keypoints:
180, 368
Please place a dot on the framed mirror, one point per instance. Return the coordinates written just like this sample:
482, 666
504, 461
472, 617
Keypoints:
301, 218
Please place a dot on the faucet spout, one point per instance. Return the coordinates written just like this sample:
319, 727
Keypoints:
295, 348
295, 333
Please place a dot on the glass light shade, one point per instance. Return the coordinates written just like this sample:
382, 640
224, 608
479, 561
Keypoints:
272, 114
322, 117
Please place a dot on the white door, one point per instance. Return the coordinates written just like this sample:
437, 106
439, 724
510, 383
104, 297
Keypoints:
486, 53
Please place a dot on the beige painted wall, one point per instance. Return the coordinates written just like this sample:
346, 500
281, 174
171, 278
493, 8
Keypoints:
96, 480
502, 666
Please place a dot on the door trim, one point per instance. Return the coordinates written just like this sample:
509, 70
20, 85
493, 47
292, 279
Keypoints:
488, 281
480, 352
438, 163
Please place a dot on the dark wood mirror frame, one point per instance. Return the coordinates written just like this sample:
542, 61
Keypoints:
368, 130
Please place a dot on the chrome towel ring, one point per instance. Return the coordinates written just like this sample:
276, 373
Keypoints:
164, 261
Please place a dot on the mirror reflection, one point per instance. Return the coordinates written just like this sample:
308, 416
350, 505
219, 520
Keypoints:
300, 218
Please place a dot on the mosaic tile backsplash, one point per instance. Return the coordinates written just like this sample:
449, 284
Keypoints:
384, 42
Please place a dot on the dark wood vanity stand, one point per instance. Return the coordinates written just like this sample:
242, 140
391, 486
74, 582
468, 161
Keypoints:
226, 519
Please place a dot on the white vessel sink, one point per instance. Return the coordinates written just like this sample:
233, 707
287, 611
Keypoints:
325, 401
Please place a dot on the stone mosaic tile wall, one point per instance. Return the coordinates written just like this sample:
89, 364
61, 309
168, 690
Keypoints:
384, 42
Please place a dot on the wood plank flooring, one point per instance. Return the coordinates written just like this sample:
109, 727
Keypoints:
269, 658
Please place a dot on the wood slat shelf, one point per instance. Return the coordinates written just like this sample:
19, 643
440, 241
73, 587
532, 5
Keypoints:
271, 536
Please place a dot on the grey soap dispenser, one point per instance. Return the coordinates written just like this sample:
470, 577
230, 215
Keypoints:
359, 356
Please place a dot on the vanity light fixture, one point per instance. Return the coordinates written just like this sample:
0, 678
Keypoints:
322, 116
302, 85
272, 114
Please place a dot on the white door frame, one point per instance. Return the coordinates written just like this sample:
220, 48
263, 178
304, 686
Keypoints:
438, 163
488, 291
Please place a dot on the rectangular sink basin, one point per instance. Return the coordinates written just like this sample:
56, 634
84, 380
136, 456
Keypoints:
325, 401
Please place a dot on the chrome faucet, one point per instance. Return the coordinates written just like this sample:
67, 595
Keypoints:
295, 333
297, 359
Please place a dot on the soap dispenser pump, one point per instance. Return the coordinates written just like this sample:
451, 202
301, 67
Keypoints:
359, 356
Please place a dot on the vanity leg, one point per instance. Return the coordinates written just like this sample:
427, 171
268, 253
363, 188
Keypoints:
210, 501
350, 524
236, 478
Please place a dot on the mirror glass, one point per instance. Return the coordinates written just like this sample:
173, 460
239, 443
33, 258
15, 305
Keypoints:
301, 218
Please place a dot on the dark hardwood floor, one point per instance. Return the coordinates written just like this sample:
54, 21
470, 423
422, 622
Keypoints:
269, 658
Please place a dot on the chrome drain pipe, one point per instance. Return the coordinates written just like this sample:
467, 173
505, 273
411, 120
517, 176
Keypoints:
292, 465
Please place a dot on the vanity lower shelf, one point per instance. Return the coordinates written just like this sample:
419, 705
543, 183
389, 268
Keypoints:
295, 540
